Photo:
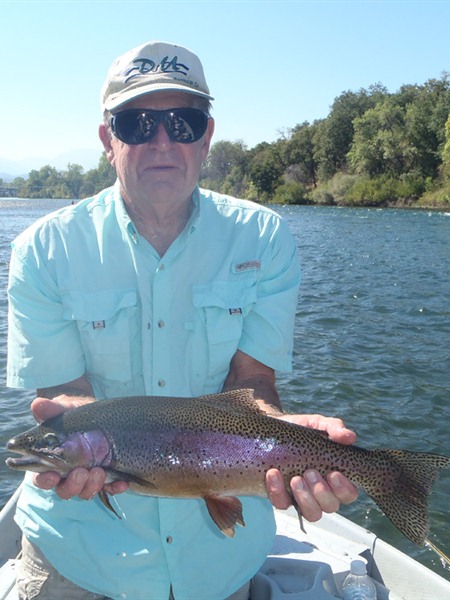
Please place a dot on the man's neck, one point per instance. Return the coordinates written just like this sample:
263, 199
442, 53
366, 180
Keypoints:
160, 224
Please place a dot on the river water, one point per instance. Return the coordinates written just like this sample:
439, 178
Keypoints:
372, 339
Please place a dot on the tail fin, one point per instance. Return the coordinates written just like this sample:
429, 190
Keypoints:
404, 492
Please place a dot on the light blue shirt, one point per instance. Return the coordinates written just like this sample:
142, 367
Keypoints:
89, 295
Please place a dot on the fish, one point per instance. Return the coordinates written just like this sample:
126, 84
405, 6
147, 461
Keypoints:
219, 447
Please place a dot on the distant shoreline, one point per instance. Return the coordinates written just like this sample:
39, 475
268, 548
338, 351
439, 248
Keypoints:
394, 204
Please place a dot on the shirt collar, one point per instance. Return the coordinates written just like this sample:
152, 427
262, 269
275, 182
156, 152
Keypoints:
130, 228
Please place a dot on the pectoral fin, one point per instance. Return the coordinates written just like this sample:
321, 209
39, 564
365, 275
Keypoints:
226, 512
137, 484
106, 501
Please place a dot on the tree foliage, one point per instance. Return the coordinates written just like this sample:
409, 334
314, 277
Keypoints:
73, 183
446, 150
374, 147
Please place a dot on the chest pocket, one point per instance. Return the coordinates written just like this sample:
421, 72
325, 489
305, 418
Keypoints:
222, 307
108, 328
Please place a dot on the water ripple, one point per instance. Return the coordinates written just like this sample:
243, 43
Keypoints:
371, 340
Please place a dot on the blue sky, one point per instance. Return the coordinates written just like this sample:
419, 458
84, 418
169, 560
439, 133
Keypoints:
270, 65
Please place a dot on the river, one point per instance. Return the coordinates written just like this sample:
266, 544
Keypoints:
372, 339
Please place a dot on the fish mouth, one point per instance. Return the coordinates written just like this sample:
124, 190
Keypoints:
36, 462
27, 462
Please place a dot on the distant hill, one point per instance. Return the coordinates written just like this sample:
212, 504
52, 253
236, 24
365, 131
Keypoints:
87, 158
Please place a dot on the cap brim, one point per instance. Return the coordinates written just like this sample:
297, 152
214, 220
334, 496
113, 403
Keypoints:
115, 101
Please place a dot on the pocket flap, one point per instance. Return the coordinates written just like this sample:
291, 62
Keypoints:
97, 305
224, 294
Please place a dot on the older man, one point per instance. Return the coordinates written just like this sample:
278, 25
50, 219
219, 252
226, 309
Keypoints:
153, 287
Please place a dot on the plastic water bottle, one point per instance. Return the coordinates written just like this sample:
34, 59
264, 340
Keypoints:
358, 585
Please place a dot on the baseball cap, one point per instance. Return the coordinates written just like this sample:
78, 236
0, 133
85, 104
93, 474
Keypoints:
153, 67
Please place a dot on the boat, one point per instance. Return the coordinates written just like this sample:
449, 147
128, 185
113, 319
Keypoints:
307, 565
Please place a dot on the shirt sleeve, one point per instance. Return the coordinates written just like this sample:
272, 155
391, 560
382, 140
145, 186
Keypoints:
269, 327
44, 349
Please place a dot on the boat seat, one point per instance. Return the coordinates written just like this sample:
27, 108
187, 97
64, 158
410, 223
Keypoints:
289, 579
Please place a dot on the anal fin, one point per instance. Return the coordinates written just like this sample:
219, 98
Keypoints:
226, 512
299, 513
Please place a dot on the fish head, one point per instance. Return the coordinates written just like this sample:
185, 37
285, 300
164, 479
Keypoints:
48, 447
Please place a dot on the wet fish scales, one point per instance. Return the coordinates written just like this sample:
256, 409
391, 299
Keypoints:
218, 447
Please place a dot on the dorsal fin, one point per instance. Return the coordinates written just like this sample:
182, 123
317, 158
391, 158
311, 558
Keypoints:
242, 400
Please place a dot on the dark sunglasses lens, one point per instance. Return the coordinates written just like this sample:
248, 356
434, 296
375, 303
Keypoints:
186, 125
134, 126
183, 125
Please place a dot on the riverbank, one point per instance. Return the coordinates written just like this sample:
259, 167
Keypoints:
398, 203
355, 191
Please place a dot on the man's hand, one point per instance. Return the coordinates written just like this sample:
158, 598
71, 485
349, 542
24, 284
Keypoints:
85, 483
314, 494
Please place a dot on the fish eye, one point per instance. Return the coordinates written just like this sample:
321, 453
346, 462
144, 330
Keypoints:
51, 440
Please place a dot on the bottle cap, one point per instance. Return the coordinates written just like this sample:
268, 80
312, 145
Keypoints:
358, 567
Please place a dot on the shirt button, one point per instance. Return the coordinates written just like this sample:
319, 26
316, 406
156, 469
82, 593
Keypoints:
169, 539
161, 324
161, 383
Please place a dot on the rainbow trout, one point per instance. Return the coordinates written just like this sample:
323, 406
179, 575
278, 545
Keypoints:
218, 447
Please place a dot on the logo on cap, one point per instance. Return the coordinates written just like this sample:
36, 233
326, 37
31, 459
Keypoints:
146, 65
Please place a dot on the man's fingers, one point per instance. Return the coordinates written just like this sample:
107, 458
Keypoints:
81, 482
46, 408
307, 505
47, 480
316, 495
342, 488
73, 484
93, 483
276, 490
116, 487
313, 495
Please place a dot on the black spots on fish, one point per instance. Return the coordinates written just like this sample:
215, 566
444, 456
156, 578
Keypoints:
223, 444
400, 485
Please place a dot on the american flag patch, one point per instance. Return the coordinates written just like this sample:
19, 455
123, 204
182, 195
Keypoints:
235, 311
248, 265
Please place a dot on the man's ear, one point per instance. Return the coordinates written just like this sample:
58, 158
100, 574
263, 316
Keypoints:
104, 134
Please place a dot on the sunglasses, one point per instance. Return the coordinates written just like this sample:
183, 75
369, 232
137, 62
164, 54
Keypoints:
139, 125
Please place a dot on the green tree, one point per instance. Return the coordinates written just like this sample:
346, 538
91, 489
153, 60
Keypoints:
298, 154
42, 183
98, 179
266, 168
446, 150
373, 145
334, 137
380, 143
225, 168
425, 122
223, 156
19, 183
73, 180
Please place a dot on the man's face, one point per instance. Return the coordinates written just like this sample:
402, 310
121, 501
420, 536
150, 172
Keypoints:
159, 171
